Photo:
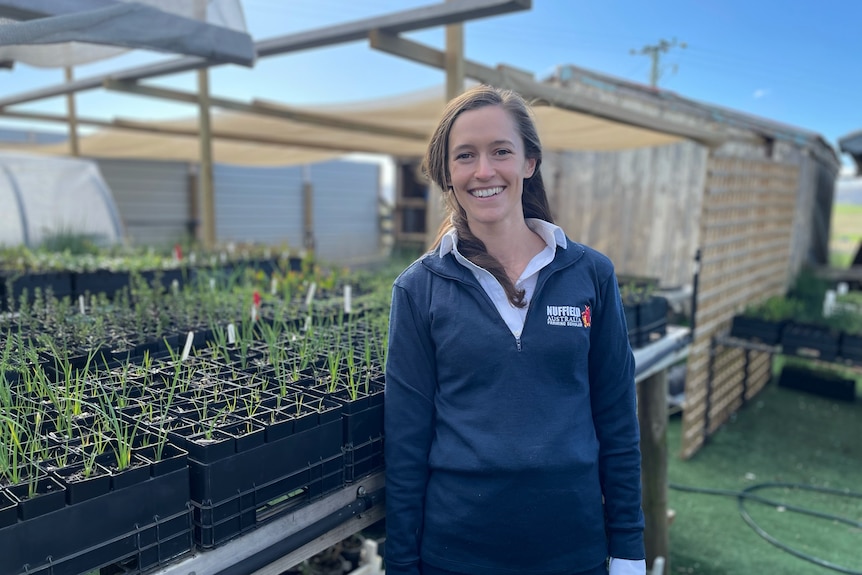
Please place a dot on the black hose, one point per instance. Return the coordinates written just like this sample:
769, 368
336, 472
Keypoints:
747, 493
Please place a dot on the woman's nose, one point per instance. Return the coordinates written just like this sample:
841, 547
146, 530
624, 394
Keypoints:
484, 168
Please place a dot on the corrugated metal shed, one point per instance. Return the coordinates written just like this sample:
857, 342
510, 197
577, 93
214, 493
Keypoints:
253, 204
261, 205
152, 197
265, 205
346, 210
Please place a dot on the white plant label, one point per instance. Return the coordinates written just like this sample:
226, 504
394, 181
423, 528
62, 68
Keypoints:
307, 323
175, 286
81, 305
212, 284
188, 347
231, 333
348, 297
273, 286
829, 303
193, 257
309, 297
253, 313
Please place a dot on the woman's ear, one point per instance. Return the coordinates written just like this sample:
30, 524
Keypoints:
530, 168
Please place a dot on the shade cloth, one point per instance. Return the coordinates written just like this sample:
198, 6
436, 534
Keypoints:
292, 142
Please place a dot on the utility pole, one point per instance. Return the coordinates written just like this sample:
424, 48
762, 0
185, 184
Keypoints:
654, 51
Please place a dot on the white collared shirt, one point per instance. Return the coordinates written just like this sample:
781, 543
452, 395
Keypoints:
513, 316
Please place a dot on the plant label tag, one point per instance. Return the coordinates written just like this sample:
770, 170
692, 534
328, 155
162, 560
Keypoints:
175, 286
829, 303
81, 305
212, 284
193, 258
348, 296
307, 323
309, 297
253, 313
273, 286
190, 338
231, 333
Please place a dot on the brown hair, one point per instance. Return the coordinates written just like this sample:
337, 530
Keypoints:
436, 166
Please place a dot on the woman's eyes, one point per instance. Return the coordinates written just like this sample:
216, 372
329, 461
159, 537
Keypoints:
468, 155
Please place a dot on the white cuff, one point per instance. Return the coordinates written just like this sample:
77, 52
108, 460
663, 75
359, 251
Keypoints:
627, 567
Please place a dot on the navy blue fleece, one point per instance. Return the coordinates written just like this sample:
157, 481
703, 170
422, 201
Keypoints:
499, 451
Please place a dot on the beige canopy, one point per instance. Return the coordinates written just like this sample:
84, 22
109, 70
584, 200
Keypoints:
252, 139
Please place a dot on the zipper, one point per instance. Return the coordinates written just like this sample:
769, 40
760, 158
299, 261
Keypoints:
539, 286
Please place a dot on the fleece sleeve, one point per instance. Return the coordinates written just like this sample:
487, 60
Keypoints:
408, 421
613, 398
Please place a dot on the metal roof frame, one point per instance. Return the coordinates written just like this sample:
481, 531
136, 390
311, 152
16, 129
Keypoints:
450, 12
113, 23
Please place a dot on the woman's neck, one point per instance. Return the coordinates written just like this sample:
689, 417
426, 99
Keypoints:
513, 246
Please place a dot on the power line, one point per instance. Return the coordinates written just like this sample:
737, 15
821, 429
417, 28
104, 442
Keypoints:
654, 51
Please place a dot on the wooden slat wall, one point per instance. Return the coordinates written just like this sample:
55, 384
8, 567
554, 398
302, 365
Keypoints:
746, 233
639, 207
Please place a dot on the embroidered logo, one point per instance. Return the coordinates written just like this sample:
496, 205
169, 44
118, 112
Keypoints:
569, 316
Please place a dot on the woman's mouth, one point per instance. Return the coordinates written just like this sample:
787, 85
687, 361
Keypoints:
486, 192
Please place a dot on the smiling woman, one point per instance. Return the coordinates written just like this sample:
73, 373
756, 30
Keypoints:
487, 168
510, 421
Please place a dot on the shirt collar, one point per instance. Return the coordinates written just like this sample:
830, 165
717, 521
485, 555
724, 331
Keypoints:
551, 233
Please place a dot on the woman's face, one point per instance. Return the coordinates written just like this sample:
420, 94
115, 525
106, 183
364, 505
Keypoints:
487, 167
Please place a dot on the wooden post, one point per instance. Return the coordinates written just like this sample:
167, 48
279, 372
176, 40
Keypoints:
435, 212
206, 171
307, 211
193, 225
652, 416
74, 147
454, 60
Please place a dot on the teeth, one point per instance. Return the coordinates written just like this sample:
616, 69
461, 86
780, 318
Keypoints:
487, 192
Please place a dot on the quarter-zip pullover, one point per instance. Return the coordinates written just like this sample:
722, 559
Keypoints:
510, 455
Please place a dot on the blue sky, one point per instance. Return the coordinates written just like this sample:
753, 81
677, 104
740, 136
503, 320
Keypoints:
792, 62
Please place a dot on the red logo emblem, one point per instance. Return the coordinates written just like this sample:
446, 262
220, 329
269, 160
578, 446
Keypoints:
585, 316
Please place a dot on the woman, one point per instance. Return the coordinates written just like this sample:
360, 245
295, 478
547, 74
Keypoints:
511, 427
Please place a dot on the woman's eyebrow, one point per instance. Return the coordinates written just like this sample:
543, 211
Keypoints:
491, 144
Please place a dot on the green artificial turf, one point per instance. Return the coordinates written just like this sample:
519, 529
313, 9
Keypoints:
780, 436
